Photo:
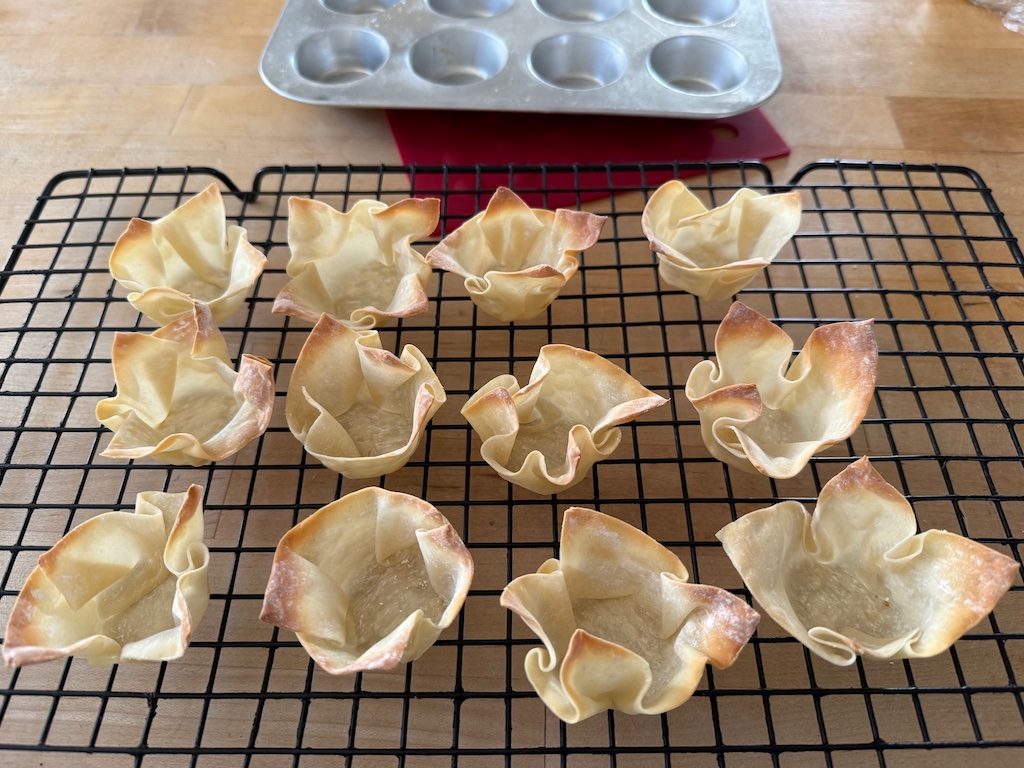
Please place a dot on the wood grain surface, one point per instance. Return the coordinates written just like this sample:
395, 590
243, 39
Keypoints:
111, 83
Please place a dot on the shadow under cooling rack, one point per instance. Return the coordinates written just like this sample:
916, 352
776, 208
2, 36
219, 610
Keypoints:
923, 250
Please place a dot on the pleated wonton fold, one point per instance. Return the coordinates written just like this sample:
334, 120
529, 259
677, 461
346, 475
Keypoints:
188, 255
622, 629
763, 410
368, 581
546, 435
852, 579
515, 259
715, 253
178, 398
122, 586
355, 407
359, 267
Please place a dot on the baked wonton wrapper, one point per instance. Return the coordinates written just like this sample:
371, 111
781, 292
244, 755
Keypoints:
762, 410
369, 581
622, 629
179, 400
359, 267
715, 254
356, 407
122, 586
852, 579
546, 435
188, 255
515, 259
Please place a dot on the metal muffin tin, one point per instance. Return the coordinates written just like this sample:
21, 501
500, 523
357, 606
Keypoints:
676, 58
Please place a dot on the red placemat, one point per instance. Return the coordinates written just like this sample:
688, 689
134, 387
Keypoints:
464, 138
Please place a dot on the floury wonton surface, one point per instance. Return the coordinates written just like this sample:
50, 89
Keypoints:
178, 398
546, 435
621, 626
359, 266
515, 259
188, 255
762, 410
122, 586
369, 581
715, 253
852, 579
357, 408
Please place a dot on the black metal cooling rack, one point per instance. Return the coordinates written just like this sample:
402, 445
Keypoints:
922, 249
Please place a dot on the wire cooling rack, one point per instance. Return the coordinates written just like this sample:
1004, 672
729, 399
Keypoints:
923, 250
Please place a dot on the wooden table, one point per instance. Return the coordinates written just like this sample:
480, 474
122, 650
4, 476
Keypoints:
144, 83
137, 83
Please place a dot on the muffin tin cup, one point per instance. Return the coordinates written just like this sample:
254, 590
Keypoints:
676, 58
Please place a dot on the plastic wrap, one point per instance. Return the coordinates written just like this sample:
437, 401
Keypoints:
1012, 12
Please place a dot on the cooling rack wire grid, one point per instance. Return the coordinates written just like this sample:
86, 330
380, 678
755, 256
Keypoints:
924, 250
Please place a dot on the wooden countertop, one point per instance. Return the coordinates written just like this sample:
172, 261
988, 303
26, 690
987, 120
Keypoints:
111, 83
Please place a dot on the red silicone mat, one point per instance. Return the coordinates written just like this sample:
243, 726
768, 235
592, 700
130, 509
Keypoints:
462, 138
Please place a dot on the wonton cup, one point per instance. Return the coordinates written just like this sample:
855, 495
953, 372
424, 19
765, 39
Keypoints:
515, 259
622, 629
188, 255
762, 410
715, 254
359, 267
178, 399
546, 435
369, 581
355, 407
122, 586
852, 579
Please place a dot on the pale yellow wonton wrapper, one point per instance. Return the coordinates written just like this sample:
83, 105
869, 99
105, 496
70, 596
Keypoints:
622, 629
515, 259
359, 267
122, 586
852, 579
715, 253
762, 410
369, 581
355, 407
178, 399
547, 435
188, 255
